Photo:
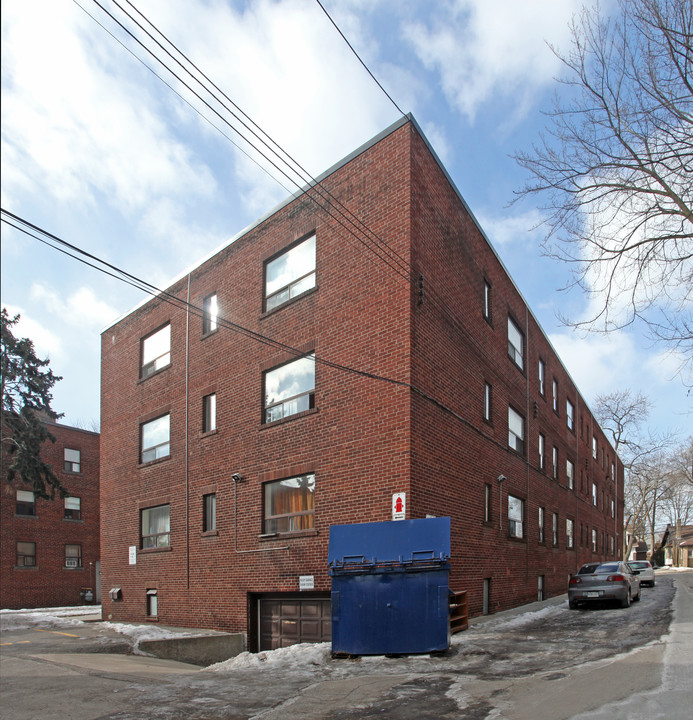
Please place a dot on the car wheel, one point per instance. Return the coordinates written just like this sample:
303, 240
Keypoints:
626, 601
572, 605
637, 597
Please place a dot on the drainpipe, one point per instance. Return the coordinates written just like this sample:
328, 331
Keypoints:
187, 468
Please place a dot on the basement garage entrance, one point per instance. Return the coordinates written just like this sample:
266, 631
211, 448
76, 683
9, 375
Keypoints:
285, 620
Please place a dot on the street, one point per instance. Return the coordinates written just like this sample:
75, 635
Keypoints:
542, 661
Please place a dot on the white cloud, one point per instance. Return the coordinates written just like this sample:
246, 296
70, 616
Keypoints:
485, 48
78, 118
520, 229
82, 309
47, 344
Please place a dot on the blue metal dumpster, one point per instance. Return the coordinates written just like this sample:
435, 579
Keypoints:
390, 587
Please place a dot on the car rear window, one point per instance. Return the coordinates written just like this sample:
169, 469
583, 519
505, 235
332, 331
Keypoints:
607, 568
639, 565
588, 569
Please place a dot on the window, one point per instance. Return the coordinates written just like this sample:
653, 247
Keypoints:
594, 447
209, 513
209, 413
554, 389
73, 508
569, 533
613, 472
72, 460
595, 494
515, 343
487, 502
554, 463
155, 436
541, 524
289, 505
516, 510
594, 540
290, 274
73, 556
540, 587
156, 351
26, 503
554, 528
542, 452
613, 509
570, 415
210, 314
542, 377
152, 603
487, 402
156, 527
26, 554
290, 389
570, 474
516, 431
487, 301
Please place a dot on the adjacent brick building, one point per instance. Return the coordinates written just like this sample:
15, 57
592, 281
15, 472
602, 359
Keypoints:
359, 341
50, 548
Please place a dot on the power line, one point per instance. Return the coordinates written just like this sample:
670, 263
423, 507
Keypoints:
343, 215
358, 57
114, 271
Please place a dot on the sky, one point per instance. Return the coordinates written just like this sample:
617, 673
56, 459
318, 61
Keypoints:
98, 151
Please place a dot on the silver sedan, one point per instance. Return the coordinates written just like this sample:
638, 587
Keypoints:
599, 582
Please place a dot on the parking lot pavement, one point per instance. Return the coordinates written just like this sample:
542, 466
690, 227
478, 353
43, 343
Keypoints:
539, 662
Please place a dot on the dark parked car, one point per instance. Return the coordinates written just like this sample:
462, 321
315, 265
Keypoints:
598, 582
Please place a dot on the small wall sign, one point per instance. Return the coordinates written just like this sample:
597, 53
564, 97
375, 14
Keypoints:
306, 582
399, 506
132, 554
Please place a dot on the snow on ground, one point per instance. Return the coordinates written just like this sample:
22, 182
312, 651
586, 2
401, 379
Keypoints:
62, 616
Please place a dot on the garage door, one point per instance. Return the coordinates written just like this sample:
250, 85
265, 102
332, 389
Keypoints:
289, 620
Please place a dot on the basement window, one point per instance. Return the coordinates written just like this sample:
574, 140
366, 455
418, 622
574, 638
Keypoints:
152, 603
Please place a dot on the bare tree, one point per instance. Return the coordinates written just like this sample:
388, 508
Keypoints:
616, 169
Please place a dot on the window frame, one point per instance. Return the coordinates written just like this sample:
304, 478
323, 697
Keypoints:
554, 529
296, 520
78, 556
210, 314
152, 595
295, 282
488, 400
542, 451
569, 534
554, 462
570, 415
25, 504
209, 512
570, 473
69, 465
512, 435
487, 312
542, 377
554, 395
72, 513
513, 351
153, 366
488, 503
155, 448
285, 402
209, 413
541, 515
164, 535
24, 555
514, 523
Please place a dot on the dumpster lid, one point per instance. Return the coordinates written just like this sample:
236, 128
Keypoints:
390, 542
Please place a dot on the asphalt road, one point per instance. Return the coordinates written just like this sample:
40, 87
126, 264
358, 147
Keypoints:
540, 662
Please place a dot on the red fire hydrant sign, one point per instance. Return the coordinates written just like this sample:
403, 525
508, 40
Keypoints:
399, 506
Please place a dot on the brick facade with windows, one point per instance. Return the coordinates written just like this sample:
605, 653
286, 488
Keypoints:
51, 548
415, 381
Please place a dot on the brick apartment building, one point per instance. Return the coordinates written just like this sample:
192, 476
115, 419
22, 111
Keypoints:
50, 548
295, 380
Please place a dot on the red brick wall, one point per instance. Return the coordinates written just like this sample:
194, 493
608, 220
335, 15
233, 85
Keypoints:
366, 438
50, 583
455, 352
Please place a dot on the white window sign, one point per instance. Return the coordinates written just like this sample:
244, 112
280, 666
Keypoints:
133, 554
399, 506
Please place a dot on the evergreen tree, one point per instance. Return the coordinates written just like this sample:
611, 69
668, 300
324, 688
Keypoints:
26, 384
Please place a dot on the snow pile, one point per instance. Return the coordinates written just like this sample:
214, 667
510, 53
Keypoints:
58, 616
139, 633
301, 657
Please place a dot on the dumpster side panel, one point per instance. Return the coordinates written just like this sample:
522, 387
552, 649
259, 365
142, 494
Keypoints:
396, 612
